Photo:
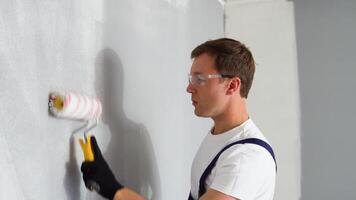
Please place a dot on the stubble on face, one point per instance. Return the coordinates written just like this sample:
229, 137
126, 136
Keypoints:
205, 98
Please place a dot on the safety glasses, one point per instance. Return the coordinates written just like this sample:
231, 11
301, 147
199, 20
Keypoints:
201, 79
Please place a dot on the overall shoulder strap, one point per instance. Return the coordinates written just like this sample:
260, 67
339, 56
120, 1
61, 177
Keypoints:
212, 164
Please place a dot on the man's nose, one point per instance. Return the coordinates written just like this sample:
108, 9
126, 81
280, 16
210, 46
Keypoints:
190, 88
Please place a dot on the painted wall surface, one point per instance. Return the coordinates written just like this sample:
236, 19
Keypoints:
267, 28
134, 55
326, 55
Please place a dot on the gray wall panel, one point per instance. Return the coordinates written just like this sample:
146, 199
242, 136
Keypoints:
326, 48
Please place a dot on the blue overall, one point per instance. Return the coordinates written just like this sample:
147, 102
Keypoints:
210, 167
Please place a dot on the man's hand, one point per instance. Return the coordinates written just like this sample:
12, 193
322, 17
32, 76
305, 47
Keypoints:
98, 174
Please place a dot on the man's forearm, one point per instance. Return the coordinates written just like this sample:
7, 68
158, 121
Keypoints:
127, 194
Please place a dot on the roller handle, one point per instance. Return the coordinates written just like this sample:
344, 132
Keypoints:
87, 149
89, 157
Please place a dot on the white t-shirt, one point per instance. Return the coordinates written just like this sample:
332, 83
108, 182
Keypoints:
244, 171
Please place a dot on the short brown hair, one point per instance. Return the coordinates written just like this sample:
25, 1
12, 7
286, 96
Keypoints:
231, 58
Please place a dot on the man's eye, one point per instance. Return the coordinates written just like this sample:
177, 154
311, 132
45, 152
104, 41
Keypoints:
200, 78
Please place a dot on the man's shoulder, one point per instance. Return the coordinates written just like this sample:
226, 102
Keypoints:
246, 153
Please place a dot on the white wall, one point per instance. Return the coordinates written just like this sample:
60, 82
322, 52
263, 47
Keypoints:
149, 133
267, 28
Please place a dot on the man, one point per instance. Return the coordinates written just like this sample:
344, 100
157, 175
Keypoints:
234, 161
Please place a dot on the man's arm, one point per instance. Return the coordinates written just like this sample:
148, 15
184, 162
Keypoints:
212, 194
127, 194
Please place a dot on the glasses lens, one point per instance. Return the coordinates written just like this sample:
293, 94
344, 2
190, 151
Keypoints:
196, 79
190, 79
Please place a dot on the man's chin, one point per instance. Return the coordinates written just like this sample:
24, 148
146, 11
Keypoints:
199, 114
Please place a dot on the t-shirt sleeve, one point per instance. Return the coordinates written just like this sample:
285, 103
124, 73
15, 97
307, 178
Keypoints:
240, 172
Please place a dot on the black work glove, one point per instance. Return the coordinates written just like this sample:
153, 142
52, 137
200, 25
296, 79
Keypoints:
97, 174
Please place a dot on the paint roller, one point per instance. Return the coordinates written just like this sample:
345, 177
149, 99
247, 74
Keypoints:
82, 108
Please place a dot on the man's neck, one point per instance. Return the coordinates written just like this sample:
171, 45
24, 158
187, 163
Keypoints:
233, 117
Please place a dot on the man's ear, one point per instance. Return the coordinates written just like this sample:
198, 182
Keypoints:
233, 86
